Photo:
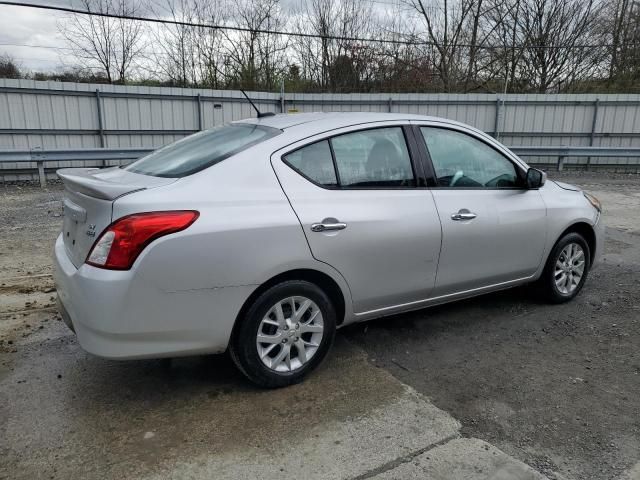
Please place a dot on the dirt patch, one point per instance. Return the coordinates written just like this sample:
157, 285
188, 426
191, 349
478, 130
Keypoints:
30, 219
619, 194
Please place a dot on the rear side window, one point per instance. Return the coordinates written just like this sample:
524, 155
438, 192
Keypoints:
201, 150
374, 158
314, 162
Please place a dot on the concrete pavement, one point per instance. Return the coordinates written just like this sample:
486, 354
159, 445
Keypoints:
66, 414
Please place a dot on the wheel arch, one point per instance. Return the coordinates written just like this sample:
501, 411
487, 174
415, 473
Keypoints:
587, 232
321, 279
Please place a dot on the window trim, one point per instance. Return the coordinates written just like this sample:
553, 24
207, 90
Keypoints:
336, 171
412, 150
428, 173
431, 168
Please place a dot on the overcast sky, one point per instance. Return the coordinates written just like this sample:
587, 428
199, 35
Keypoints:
31, 26
21, 25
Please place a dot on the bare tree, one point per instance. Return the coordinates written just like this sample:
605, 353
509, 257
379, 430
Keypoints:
255, 59
9, 67
558, 38
192, 51
188, 52
334, 60
619, 10
447, 25
173, 52
449, 45
620, 23
505, 43
209, 42
109, 44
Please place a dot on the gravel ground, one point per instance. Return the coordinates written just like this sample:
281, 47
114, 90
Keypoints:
557, 387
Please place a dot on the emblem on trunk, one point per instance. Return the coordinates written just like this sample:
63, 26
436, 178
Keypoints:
92, 231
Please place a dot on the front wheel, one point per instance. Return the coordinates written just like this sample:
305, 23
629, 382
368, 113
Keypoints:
566, 269
285, 333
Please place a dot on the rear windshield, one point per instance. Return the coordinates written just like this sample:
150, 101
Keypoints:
201, 150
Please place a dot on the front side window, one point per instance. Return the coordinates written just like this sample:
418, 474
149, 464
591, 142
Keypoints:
462, 161
373, 158
201, 150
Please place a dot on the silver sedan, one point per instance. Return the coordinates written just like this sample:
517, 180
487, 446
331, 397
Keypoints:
263, 236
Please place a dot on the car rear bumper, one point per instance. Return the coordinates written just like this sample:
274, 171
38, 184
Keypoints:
118, 314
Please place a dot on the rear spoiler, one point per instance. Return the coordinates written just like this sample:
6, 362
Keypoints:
107, 183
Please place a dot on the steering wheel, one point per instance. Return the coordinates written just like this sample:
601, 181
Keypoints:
459, 174
496, 181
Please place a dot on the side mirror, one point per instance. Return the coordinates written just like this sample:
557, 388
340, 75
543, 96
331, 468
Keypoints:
535, 178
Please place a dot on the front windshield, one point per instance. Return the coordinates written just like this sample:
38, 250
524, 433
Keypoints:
201, 150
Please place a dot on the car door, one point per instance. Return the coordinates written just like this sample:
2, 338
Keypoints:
363, 211
493, 228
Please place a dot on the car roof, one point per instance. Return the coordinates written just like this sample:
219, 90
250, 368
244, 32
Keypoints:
316, 122
303, 125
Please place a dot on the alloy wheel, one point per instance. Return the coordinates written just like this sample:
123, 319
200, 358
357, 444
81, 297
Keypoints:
290, 334
569, 268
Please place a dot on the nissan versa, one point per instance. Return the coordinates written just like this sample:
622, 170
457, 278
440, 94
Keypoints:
262, 236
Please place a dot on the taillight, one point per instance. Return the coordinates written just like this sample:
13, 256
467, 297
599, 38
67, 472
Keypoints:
122, 241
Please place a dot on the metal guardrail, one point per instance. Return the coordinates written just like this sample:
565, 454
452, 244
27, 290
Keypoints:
562, 152
102, 155
40, 157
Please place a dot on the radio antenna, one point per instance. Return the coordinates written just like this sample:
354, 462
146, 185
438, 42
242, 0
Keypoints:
258, 112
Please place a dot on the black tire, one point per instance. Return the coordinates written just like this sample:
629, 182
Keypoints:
547, 282
243, 347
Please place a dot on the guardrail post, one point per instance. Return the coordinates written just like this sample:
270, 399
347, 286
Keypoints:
561, 160
199, 104
390, 104
39, 159
41, 174
596, 104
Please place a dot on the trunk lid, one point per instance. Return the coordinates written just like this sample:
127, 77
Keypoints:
88, 203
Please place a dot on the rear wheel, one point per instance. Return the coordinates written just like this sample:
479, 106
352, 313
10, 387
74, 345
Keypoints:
566, 269
285, 333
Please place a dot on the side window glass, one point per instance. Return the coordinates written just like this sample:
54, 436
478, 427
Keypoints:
373, 158
462, 161
315, 163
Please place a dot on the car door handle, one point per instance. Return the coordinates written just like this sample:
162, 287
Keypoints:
462, 215
328, 227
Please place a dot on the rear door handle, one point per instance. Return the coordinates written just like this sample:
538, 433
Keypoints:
328, 226
463, 214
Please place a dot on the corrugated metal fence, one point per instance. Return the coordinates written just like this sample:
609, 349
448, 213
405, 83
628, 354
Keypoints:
57, 115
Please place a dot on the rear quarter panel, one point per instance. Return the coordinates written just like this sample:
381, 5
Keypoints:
246, 234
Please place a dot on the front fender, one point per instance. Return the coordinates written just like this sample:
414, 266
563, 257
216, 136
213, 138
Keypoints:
565, 209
